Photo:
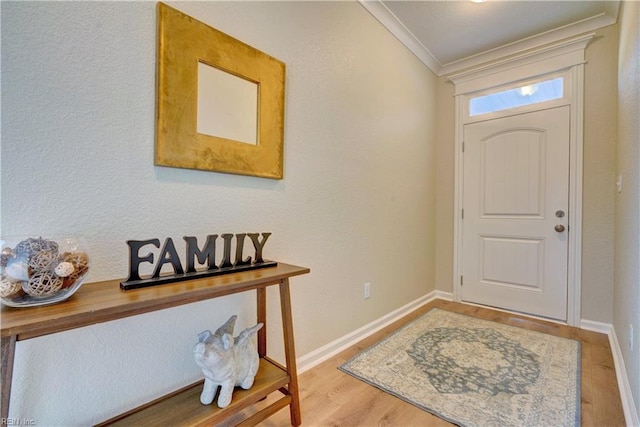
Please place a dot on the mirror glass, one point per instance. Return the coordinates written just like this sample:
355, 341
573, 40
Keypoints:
227, 105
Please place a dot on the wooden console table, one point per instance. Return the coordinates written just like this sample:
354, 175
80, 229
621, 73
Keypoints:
104, 301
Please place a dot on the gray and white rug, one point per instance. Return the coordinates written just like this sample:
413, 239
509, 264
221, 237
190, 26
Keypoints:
474, 372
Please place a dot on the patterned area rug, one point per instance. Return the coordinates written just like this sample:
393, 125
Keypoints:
474, 372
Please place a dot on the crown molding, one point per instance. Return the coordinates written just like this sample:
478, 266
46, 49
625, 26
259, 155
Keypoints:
527, 64
406, 37
534, 42
402, 33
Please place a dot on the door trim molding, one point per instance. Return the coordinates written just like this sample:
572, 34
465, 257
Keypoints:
567, 57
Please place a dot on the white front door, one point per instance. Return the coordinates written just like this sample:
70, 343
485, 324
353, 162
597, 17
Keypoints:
515, 226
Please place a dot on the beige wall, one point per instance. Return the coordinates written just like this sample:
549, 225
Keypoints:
357, 203
598, 197
599, 168
445, 189
626, 295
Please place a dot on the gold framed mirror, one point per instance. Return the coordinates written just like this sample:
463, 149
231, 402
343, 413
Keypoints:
220, 102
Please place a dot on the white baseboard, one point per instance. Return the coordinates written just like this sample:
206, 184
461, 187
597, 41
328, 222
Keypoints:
593, 326
447, 296
323, 353
628, 405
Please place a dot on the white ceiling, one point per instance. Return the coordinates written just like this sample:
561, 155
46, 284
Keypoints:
449, 36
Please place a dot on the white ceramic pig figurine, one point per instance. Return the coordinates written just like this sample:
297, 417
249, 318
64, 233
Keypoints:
226, 362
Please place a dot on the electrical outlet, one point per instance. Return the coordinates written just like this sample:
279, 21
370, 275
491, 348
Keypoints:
631, 336
367, 290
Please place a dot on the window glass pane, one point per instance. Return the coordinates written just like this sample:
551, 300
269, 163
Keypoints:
512, 98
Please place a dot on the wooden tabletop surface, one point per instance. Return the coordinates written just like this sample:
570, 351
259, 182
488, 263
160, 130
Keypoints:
103, 301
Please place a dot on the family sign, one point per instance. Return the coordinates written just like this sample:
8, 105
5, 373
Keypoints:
231, 261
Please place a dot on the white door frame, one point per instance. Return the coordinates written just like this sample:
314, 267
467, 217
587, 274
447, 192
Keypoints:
566, 58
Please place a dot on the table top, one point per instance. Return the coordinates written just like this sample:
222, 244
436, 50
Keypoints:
104, 301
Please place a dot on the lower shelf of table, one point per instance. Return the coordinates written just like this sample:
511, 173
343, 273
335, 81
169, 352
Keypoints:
183, 407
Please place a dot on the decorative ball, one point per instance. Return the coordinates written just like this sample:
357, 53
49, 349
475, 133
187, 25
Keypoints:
28, 247
64, 269
5, 255
67, 282
42, 284
9, 287
17, 270
80, 262
43, 260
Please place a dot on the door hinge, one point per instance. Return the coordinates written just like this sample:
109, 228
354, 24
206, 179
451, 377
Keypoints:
462, 214
461, 280
463, 146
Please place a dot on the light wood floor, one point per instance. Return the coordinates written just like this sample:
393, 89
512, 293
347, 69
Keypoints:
330, 397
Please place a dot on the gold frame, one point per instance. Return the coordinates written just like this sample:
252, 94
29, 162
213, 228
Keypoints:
183, 42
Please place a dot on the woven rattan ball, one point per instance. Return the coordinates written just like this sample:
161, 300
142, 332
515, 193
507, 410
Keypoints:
43, 260
42, 284
5, 256
64, 269
30, 246
80, 262
9, 287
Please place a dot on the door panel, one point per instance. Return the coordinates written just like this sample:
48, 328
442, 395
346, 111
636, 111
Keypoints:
512, 262
516, 176
512, 173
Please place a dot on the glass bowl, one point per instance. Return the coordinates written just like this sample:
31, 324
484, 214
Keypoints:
38, 271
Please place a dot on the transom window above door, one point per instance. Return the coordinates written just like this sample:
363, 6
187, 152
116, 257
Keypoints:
529, 94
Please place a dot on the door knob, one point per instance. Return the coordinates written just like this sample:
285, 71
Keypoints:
559, 228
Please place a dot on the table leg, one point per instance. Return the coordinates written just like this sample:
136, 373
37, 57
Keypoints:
290, 351
262, 318
8, 351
